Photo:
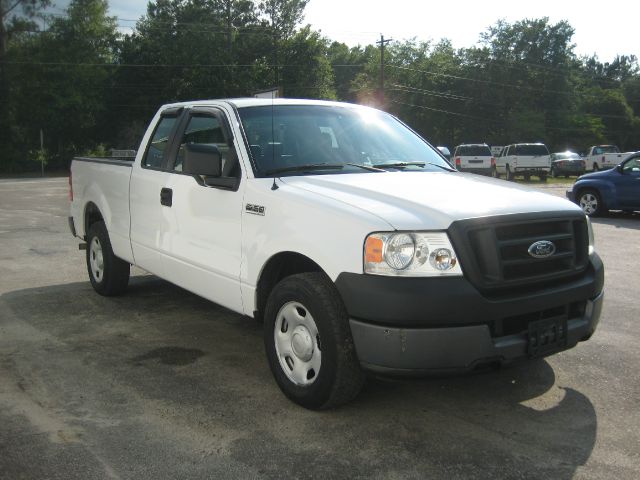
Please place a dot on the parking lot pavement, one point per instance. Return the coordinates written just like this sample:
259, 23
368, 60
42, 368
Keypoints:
159, 383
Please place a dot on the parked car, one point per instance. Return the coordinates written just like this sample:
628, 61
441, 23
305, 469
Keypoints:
347, 234
614, 189
523, 159
474, 158
601, 157
566, 163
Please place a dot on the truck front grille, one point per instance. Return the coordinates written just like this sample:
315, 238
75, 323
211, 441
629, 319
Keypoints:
494, 252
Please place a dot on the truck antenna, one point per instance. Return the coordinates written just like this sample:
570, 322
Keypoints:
275, 185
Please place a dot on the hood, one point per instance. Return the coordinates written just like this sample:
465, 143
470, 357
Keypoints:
429, 200
599, 174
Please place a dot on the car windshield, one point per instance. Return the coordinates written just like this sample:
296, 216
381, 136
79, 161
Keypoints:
532, 150
292, 137
474, 151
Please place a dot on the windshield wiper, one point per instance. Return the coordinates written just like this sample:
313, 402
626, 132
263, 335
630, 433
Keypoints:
371, 168
306, 167
399, 165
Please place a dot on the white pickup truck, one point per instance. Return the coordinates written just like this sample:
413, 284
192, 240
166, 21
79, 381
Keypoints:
351, 237
523, 159
601, 157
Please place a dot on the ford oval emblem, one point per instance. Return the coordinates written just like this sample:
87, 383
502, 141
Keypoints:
542, 249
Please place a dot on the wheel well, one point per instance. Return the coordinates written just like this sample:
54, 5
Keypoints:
91, 215
278, 267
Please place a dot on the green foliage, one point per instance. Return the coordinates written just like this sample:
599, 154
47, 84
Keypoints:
87, 86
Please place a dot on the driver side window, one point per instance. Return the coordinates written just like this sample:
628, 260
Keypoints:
632, 167
204, 129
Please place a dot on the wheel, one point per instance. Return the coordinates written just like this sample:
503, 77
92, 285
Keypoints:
527, 178
509, 175
308, 342
494, 173
543, 177
595, 167
553, 172
109, 274
590, 202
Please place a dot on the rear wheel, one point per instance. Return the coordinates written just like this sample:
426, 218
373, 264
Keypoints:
308, 342
590, 202
109, 274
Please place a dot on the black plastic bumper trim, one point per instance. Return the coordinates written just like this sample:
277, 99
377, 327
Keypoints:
424, 351
453, 301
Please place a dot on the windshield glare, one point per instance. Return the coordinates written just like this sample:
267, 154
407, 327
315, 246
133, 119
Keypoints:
283, 136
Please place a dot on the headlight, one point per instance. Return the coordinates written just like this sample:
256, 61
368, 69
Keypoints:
418, 254
592, 244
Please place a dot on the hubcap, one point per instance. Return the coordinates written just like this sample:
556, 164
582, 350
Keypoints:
588, 203
96, 259
297, 344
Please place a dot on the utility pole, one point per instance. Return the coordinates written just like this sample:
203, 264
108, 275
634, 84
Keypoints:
382, 42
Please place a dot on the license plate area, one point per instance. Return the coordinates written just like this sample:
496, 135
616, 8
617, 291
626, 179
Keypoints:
547, 336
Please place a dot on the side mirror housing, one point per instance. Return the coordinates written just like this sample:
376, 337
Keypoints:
619, 168
202, 159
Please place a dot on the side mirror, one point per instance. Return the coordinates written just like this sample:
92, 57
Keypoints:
202, 159
619, 168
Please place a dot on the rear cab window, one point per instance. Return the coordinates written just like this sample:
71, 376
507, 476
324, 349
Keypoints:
154, 155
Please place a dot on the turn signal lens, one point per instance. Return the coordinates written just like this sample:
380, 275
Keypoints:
373, 250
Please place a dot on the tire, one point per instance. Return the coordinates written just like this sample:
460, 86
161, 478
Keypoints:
329, 373
109, 274
509, 175
553, 172
527, 178
543, 177
590, 202
595, 167
494, 173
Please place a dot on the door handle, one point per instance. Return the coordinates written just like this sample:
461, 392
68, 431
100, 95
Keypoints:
166, 197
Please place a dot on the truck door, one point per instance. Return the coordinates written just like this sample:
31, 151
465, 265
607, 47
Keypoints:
148, 180
628, 184
202, 225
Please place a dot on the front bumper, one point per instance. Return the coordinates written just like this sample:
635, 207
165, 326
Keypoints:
436, 325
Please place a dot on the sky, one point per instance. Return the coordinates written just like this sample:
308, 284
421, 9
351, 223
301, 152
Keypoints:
605, 27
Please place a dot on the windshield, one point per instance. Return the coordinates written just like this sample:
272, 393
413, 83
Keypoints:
474, 151
531, 150
286, 136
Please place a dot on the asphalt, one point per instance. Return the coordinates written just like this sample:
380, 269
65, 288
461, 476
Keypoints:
161, 384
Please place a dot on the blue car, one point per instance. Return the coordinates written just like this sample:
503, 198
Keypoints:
615, 189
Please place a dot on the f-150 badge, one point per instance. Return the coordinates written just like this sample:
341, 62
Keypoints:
254, 209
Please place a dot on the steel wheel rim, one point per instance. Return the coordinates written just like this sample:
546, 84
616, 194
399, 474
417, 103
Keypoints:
297, 343
589, 203
96, 259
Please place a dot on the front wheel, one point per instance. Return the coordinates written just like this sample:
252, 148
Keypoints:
109, 274
590, 202
308, 342
595, 167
